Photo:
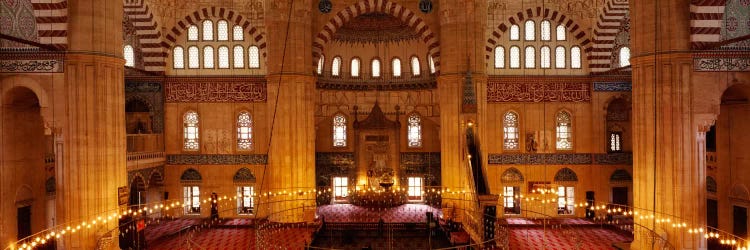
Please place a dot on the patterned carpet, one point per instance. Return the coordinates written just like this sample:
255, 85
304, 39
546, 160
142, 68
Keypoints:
236, 238
530, 221
576, 238
352, 213
160, 228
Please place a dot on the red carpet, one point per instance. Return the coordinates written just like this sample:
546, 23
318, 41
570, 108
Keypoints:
558, 239
352, 213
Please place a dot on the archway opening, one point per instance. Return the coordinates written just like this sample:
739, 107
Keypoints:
137, 191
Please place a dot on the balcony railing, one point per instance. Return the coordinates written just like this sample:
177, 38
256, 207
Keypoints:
386, 81
145, 142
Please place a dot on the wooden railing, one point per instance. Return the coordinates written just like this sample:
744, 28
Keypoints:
145, 142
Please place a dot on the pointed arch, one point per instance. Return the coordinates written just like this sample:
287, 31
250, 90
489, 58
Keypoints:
566, 175
244, 175
397, 10
191, 175
511, 175
711, 185
619, 176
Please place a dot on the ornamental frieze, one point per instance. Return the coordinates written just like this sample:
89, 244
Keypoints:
31, 66
250, 89
716, 64
256, 159
540, 90
613, 87
561, 159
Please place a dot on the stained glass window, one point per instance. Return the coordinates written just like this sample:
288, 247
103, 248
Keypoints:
530, 30
546, 31
178, 57
244, 131
245, 199
510, 131
193, 57
415, 188
208, 30
190, 131
336, 66
129, 55
414, 131
415, 69
515, 57
321, 63
253, 54
223, 57
615, 143
544, 57
208, 57
561, 32
560, 57
339, 131
193, 33
565, 200
222, 30
375, 68
530, 59
238, 34
499, 57
432, 64
396, 67
564, 131
624, 56
515, 33
239, 56
575, 57
354, 67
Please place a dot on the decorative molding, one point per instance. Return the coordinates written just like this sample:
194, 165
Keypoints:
334, 158
613, 86
561, 159
539, 90
247, 89
31, 66
717, 64
255, 159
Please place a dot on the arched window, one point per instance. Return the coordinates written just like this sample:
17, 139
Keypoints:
515, 33
560, 57
575, 57
336, 66
222, 30
129, 55
239, 56
223, 57
375, 68
190, 131
414, 131
499, 57
208, 57
253, 55
561, 32
193, 57
530, 59
530, 30
546, 31
238, 34
244, 131
339, 131
193, 33
415, 69
208, 30
432, 64
321, 62
510, 131
564, 131
396, 67
178, 58
354, 67
544, 57
624, 57
515, 57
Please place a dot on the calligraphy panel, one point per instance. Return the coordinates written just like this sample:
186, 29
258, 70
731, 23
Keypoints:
538, 91
215, 90
717, 64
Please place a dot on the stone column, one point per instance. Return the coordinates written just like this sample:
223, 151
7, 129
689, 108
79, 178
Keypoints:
462, 26
291, 156
93, 133
667, 175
